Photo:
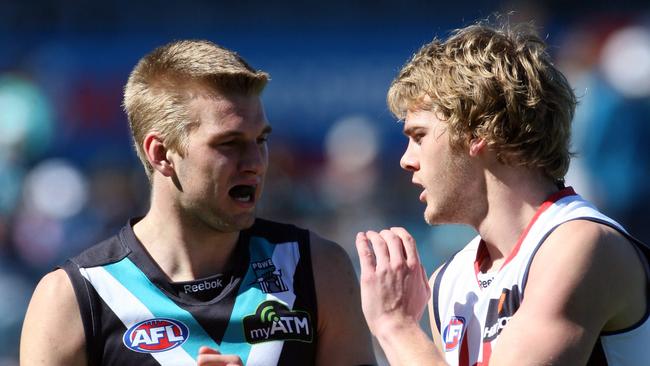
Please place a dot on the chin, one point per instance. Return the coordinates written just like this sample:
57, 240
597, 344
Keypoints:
428, 218
432, 217
243, 221
248, 222
232, 223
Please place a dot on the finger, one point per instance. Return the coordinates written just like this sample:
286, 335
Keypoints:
410, 247
205, 350
366, 255
218, 360
382, 256
395, 247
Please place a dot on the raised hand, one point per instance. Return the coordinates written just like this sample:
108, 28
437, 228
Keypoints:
394, 286
212, 357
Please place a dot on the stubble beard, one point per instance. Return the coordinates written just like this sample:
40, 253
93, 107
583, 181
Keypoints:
224, 222
218, 219
452, 203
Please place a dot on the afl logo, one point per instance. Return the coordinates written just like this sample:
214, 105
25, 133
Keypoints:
156, 335
453, 333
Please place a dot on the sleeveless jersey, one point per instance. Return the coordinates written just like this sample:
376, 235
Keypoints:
471, 312
265, 311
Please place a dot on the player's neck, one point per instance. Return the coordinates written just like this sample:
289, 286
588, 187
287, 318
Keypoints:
513, 199
184, 251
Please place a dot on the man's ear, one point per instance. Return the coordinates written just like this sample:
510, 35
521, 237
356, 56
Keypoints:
476, 146
158, 155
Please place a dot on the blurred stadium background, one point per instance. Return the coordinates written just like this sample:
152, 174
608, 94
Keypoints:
69, 177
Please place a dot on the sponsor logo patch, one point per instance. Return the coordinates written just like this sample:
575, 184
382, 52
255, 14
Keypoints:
156, 335
500, 311
268, 277
274, 321
453, 333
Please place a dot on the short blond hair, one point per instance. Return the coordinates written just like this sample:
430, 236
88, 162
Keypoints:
159, 89
497, 83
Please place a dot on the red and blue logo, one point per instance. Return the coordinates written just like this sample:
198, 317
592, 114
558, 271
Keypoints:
156, 335
453, 333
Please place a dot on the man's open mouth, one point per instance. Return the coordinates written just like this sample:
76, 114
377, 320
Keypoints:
243, 193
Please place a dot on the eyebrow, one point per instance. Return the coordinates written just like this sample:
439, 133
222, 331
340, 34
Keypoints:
410, 131
236, 134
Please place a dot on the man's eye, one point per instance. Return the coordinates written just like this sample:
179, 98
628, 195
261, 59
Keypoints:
262, 139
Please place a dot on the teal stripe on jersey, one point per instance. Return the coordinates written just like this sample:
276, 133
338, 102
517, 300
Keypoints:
132, 278
248, 299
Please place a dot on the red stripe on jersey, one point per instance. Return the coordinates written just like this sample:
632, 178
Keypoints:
482, 251
487, 352
481, 254
568, 191
464, 352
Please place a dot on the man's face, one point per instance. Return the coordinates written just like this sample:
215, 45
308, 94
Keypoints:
221, 176
442, 173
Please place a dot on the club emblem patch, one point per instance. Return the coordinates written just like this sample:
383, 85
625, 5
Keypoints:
268, 277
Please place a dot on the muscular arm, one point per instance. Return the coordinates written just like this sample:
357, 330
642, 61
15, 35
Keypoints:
585, 278
343, 337
53, 333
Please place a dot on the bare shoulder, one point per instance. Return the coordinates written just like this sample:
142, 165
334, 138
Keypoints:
333, 271
329, 258
54, 295
325, 246
344, 338
593, 243
55, 282
586, 278
334, 275
587, 259
53, 323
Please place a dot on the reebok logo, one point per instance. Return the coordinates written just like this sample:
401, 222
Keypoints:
274, 321
205, 285
485, 284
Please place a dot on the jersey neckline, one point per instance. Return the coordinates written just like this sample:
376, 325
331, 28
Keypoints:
143, 260
482, 252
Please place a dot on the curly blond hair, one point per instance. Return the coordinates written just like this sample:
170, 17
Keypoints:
157, 94
497, 83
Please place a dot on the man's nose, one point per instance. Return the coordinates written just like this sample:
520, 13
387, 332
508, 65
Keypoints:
254, 158
409, 161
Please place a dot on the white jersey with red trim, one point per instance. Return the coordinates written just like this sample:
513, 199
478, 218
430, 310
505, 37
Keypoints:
471, 315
